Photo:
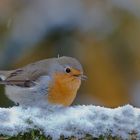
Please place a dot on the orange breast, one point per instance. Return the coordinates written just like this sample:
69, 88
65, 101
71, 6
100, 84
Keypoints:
63, 89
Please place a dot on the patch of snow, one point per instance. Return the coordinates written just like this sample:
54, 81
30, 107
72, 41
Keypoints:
71, 121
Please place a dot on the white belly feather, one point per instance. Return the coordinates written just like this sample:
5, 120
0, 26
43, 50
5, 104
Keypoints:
32, 96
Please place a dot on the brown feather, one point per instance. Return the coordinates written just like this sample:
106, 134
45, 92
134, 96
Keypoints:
26, 76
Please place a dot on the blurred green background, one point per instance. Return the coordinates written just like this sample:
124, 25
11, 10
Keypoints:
103, 34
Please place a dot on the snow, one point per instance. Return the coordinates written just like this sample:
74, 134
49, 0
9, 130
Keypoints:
71, 121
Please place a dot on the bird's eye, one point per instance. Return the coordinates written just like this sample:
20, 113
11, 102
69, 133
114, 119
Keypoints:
68, 70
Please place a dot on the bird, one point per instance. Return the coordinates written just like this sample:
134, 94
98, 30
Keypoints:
52, 81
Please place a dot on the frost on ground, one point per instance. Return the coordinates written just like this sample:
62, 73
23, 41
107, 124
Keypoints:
71, 121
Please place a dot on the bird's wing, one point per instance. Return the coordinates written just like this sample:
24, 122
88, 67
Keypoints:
25, 77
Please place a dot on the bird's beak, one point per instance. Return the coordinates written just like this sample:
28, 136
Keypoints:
83, 77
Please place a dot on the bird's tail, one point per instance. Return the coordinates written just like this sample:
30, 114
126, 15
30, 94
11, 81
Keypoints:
3, 76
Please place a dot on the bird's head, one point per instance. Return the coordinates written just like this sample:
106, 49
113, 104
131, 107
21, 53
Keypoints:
69, 67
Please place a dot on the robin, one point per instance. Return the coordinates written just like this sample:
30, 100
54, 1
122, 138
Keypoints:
52, 81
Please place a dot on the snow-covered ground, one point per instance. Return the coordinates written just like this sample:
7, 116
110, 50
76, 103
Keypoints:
72, 121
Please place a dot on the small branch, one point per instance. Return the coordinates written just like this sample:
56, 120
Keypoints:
76, 121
